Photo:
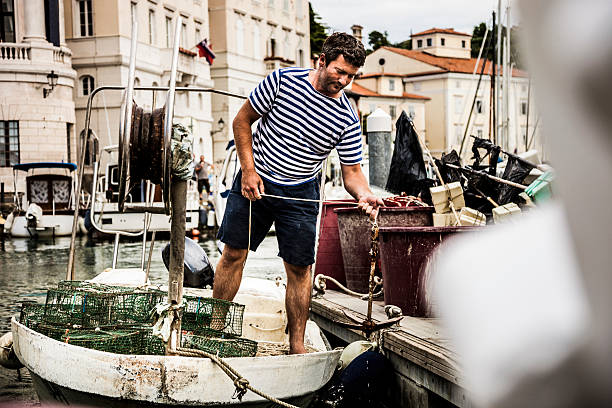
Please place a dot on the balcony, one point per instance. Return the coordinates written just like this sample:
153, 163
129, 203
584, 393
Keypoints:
34, 54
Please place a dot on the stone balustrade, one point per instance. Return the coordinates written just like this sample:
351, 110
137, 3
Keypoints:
26, 53
18, 53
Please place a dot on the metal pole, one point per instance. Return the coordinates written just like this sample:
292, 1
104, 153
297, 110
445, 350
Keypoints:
497, 73
507, 77
379, 147
116, 250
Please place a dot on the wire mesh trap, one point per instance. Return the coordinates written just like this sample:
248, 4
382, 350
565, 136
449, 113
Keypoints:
210, 313
119, 320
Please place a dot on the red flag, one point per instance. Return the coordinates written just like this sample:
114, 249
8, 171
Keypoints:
204, 50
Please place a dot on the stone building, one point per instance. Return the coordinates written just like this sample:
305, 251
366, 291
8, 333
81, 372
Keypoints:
37, 121
99, 34
252, 38
440, 67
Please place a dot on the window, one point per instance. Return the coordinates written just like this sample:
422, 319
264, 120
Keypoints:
458, 104
301, 58
7, 21
9, 143
458, 134
198, 35
298, 9
419, 43
429, 42
239, 25
271, 3
411, 112
200, 101
272, 47
523, 108
85, 18
286, 6
478, 106
287, 46
256, 40
183, 44
168, 32
151, 27
392, 111
88, 84
442, 42
392, 84
69, 127
479, 133
462, 43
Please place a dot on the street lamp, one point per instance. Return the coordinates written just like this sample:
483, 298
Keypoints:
52, 81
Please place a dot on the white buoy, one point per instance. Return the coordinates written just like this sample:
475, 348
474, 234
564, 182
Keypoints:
353, 350
8, 359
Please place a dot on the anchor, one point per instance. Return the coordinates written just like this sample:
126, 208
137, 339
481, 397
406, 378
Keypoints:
368, 326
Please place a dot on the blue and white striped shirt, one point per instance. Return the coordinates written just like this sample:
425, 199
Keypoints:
299, 127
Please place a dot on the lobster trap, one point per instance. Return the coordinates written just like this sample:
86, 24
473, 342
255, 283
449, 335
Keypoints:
202, 313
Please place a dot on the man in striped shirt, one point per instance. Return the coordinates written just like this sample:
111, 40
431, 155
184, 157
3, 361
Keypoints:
304, 114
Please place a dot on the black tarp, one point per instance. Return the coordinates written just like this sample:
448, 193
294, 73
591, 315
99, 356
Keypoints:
492, 151
516, 170
407, 171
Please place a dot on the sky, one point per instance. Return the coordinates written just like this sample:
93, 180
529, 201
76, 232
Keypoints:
400, 17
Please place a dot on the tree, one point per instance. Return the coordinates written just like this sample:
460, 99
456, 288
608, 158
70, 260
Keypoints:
406, 44
318, 32
489, 53
377, 39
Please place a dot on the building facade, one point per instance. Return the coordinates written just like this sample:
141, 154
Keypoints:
252, 38
37, 121
99, 34
441, 68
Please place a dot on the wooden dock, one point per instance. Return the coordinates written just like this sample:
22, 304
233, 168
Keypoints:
426, 370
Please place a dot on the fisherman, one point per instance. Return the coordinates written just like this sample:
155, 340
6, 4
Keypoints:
304, 115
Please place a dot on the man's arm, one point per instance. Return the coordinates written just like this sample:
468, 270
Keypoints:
357, 186
252, 185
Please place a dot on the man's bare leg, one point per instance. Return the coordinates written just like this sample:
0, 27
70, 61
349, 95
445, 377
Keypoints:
229, 273
297, 303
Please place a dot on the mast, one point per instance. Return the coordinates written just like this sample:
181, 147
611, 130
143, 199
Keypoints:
507, 75
497, 79
492, 105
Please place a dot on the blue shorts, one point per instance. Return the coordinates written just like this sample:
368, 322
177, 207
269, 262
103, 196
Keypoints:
295, 221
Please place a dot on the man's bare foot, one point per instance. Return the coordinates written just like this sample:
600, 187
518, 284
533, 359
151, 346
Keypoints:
297, 349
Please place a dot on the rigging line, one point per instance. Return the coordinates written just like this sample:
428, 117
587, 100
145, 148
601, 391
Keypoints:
110, 140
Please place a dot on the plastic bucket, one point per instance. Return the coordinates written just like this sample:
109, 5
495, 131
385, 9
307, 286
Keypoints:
404, 255
354, 228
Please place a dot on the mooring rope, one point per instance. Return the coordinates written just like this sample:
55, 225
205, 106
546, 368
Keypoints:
320, 286
241, 383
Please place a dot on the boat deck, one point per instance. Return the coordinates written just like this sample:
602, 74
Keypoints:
427, 373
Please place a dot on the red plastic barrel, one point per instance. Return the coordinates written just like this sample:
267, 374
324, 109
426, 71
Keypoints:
329, 255
404, 254
354, 228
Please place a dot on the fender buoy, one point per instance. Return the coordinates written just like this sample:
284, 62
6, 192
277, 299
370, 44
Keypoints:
8, 359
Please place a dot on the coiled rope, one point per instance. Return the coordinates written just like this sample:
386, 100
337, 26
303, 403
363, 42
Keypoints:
241, 383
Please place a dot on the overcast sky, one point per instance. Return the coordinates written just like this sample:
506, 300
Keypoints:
400, 17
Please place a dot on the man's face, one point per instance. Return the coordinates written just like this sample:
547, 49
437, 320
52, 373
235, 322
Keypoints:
201, 158
336, 75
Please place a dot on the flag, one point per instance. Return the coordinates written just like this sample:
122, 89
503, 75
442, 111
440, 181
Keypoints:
204, 50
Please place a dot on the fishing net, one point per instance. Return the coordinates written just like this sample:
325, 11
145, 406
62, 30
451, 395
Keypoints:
119, 320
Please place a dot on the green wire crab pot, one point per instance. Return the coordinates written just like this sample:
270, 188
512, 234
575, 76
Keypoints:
209, 313
31, 314
93, 287
222, 345
97, 309
123, 341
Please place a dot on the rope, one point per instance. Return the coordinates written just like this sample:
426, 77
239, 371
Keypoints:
241, 383
320, 286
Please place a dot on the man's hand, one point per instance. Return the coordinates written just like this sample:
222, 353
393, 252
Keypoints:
252, 185
370, 204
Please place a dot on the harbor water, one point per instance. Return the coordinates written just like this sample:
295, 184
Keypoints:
29, 267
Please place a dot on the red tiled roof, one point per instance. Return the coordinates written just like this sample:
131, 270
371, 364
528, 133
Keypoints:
440, 30
379, 74
449, 64
361, 91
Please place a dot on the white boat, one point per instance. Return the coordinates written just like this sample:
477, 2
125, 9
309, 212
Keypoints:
47, 208
68, 374
106, 214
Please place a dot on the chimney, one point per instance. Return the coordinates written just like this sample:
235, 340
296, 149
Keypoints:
356, 29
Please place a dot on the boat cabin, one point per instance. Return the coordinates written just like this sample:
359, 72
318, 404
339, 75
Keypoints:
52, 192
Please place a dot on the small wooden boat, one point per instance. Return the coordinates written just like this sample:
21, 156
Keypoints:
68, 374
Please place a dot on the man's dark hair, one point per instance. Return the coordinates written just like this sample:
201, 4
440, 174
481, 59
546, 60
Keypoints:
346, 45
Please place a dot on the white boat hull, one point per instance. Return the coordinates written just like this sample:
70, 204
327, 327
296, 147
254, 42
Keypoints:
108, 217
48, 226
70, 374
